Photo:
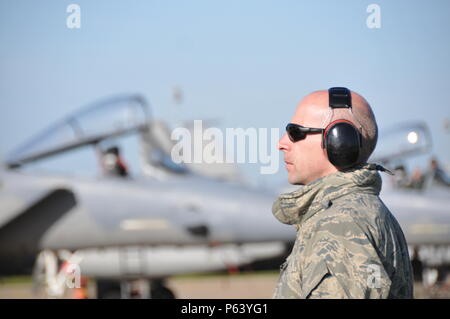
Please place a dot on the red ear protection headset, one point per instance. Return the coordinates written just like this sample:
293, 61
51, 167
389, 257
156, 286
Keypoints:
341, 138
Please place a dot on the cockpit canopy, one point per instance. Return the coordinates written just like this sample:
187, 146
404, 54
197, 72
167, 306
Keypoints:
107, 118
402, 141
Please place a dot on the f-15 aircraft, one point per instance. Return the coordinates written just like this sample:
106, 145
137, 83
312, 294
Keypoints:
175, 219
115, 227
420, 199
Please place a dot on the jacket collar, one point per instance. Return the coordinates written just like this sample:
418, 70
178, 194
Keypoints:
299, 205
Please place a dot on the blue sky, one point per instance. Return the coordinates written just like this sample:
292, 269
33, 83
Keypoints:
247, 63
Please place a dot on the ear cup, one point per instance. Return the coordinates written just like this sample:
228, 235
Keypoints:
343, 143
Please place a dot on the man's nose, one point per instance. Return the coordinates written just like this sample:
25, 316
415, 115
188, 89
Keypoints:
284, 144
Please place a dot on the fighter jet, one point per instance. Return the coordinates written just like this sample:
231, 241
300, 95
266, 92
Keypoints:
418, 196
116, 227
177, 218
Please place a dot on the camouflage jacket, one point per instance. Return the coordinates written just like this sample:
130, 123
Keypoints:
348, 244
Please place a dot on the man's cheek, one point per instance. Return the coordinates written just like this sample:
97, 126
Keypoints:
296, 169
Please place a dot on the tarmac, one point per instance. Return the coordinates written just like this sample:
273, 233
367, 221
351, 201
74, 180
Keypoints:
234, 286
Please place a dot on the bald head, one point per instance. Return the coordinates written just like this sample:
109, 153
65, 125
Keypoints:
305, 159
316, 106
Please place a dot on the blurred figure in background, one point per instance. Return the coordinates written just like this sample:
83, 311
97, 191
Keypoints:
112, 163
439, 175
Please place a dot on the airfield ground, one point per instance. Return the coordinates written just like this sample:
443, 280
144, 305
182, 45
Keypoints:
255, 285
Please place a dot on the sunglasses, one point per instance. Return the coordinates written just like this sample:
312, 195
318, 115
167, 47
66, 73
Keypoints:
297, 132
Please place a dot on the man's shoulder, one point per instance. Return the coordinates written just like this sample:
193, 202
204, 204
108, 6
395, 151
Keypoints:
354, 214
358, 206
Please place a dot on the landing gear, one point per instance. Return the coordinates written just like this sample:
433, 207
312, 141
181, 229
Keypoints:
108, 289
133, 289
159, 291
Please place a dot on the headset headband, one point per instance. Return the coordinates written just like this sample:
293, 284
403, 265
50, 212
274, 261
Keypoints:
339, 97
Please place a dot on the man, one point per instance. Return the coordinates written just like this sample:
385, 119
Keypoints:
348, 244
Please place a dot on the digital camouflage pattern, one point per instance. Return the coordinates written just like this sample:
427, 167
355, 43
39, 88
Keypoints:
348, 244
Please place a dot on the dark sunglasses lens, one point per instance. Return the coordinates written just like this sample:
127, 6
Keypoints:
294, 133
